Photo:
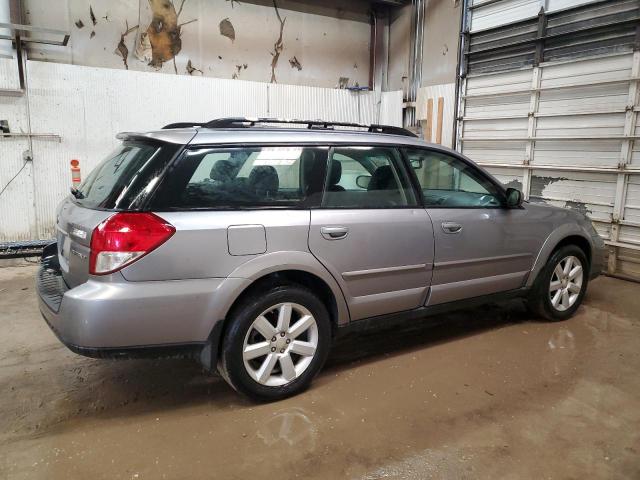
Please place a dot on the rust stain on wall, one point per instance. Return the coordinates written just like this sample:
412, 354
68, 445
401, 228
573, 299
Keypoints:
227, 30
121, 48
278, 46
163, 33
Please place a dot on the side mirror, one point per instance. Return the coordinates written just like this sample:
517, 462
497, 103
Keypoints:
363, 181
514, 198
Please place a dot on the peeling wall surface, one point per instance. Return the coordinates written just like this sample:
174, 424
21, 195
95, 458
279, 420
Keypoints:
247, 40
84, 107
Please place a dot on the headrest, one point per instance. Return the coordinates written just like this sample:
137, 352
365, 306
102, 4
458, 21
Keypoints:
335, 173
264, 180
383, 179
222, 171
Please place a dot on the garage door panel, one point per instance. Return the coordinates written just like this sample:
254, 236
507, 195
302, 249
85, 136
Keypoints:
500, 106
499, 82
495, 152
632, 201
509, 177
629, 234
592, 193
602, 227
635, 154
587, 72
597, 125
504, 128
578, 153
628, 263
583, 99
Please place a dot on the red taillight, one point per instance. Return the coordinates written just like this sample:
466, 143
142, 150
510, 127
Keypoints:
125, 237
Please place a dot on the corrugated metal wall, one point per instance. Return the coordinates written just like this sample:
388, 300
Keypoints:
549, 105
87, 106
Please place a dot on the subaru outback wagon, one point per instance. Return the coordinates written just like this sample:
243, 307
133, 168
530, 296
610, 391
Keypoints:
248, 244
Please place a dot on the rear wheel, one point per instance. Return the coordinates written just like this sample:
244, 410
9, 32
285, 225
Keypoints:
276, 343
562, 284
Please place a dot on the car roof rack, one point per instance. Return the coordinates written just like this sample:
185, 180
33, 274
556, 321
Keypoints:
182, 125
243, 122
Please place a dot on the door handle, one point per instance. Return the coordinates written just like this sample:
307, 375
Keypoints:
451, 227
334, 233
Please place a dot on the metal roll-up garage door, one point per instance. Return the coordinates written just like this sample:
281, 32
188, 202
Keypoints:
549, 105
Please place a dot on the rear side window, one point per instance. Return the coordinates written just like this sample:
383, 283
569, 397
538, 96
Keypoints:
126, 177
247, 177
367, 177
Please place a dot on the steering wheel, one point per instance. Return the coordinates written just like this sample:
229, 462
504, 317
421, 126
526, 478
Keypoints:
486, 200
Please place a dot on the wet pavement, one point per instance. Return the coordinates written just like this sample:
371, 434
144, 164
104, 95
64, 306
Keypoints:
484, 393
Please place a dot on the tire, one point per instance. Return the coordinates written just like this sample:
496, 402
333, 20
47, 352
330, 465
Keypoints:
270, 375
550, 301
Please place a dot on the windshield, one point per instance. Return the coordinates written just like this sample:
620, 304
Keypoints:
124, 178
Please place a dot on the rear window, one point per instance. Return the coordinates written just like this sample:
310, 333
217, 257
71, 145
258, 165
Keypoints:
126, 177
249, 177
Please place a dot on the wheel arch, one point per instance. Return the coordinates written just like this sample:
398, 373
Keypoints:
565, 235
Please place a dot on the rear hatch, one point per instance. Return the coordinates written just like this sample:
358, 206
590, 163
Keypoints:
122, 182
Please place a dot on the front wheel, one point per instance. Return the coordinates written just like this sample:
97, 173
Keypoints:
276, 343
562, 284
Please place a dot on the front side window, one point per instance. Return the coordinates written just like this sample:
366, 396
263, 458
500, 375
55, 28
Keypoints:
449, 182
247, 177
367, 177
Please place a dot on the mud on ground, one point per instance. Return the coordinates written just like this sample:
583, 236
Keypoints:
486, 393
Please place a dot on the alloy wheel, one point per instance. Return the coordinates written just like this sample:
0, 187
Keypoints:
280, 344
566, 283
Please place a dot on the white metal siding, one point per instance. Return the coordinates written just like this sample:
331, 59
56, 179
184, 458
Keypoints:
87, 106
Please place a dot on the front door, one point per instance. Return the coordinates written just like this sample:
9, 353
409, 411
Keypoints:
371, 234
481, 247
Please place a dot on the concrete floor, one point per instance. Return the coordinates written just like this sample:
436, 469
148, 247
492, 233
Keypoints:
489, 393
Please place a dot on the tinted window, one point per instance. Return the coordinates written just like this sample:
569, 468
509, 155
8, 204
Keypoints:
244, 177
367, 177
449, 182
126, 177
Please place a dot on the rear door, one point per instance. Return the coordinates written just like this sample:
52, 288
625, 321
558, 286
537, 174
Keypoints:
481, 247
371, 233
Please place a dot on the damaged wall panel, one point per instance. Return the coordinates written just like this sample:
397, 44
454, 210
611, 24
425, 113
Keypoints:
328, 40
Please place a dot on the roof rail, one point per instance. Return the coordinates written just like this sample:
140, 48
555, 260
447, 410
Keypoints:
182, 125
242, 122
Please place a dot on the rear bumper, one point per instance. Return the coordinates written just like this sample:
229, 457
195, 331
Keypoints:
107, 318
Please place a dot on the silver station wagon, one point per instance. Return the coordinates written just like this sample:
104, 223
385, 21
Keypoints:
249, 243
